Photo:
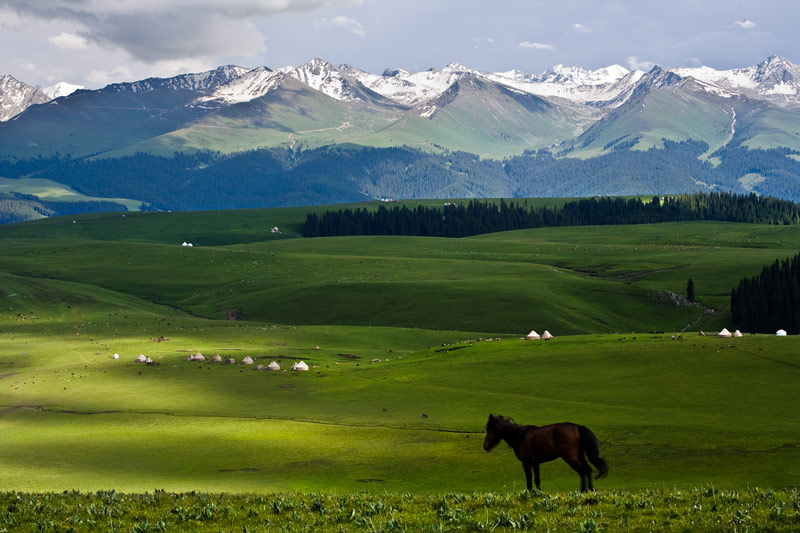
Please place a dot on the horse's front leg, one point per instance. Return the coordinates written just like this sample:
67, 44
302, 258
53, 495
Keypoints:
527, 469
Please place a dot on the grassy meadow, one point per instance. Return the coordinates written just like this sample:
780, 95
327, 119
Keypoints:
411, 343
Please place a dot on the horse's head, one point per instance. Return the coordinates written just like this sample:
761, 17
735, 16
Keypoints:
493, 435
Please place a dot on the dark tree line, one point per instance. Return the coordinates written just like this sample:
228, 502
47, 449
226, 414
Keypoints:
770, 301
486, 217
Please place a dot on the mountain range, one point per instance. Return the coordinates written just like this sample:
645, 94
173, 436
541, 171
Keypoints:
565, 113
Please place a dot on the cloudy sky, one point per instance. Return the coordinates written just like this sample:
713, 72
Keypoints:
96, 42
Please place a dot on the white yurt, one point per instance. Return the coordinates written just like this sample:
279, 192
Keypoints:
217, 358
247, 360
547, 335
148, 361
737, 333
273, 366
115, 356
259, 367
141, 358
724, 333
781, 333
230, 361
199, 357
533, 336
190, 357
299, 366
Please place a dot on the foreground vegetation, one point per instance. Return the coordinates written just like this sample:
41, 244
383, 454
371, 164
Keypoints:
699, 509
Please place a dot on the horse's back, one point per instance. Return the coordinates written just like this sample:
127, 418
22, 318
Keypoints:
546, 443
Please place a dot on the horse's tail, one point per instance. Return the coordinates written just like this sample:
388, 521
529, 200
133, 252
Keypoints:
591, 447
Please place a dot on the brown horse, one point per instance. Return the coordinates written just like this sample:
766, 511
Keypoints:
534, 445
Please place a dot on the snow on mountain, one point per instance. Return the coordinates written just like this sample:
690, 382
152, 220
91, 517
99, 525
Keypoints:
16, 96
412, 89
200, 81
776, 79
250, 85
324, 77
61, 88
573, 83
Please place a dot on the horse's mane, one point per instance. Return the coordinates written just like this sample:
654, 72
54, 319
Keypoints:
504, 420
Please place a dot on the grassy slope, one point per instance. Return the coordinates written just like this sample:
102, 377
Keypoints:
290, 115
669, 412
590, 279
86, 123
661, 114
295, 115
50, 190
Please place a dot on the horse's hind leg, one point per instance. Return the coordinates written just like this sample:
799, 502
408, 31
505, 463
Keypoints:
536, 475
587, 473
584, 471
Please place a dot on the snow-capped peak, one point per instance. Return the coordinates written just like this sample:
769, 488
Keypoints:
250, 85
776, 79
324, 77
572, 83
61, 88
16, 96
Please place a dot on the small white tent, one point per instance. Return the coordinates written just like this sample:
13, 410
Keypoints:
533, 336
737, 333
273, 366
141, 358
547, 335
115, 356
724, 333
217, 358
781, 333
199, 357
247, 360
299, 366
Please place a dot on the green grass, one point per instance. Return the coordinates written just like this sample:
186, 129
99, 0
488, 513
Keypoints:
577, 280
705, 509
400, 382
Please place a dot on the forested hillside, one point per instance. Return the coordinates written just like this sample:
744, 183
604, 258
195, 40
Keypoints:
771, 300
283, 177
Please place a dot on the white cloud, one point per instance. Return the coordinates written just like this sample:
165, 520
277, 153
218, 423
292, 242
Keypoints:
68, 40
104, 77
746, 24
580, 28
634, 63
536, 46
348, 23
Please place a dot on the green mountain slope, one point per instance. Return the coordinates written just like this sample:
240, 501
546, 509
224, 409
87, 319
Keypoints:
474, 115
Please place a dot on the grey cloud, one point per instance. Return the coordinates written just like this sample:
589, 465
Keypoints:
153, 30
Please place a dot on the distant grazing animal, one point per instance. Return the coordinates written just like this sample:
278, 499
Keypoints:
534, 445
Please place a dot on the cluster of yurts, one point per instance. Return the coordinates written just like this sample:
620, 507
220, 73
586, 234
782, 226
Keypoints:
533, 336
737, 333
217, 358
